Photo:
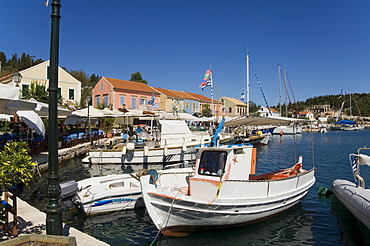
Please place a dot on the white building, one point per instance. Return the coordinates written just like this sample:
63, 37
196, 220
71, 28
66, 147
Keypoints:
264, 112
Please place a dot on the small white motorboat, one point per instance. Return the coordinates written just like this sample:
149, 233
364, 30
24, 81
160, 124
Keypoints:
223, 191
108, 193
355, 196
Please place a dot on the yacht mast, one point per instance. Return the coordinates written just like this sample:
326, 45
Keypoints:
247, 81
286, 94
350, 103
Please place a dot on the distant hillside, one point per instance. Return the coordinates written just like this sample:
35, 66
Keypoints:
360, 104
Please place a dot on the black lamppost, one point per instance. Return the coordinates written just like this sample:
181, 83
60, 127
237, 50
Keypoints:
53, 209
17, 77
88, 98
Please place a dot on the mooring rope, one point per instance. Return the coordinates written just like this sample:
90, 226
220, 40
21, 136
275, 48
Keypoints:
167, 218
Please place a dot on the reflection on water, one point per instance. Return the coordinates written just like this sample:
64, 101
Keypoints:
352, 231
134, 227
315, 220
127, 227
290, 228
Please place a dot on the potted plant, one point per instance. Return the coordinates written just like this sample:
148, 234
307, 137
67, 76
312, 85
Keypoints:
16, 168
108, 126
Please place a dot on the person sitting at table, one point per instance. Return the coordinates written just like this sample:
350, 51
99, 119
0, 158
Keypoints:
131, 135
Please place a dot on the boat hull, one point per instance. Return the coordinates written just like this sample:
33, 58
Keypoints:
138, 156
239, 203
109, 193
355, 199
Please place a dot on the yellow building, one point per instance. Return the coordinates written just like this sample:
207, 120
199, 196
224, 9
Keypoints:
69, 87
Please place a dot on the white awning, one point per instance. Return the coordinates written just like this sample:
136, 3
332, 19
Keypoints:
255, 121
42, 109
33, 120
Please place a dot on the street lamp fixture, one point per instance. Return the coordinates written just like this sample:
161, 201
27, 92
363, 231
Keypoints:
17, 77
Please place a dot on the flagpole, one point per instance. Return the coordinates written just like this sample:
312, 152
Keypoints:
211, 77
218, 103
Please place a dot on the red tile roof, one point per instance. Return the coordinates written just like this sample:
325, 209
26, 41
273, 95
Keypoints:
130, 85
183, 94
303, 112
167, 92
273, 110
202, 98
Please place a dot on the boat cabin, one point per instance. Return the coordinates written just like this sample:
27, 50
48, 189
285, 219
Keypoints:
216, 165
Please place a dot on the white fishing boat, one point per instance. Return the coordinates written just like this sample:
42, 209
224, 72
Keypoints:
175, 144
108, 193
354, 195
223, 191
291, 129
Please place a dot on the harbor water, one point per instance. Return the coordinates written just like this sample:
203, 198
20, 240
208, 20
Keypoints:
316, 220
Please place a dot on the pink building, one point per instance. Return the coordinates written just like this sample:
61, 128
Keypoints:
114, 93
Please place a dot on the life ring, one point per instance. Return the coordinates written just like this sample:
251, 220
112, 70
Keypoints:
153, 176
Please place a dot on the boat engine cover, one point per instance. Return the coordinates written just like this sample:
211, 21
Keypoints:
68, 189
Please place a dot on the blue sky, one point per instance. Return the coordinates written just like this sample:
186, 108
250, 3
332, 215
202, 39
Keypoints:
323, 44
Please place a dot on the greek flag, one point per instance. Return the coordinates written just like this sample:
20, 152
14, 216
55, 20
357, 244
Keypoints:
207, 80
354, 165
242, 97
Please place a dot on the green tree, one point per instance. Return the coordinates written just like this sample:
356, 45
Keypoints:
94, 79
36, 91
16, 168
253, 108
136, 77
108, 123
13, 62
2, 59
206, 111
16, 165
86, 87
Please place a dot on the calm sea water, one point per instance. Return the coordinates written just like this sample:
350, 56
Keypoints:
316, 220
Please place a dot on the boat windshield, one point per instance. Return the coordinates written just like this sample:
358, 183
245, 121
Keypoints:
212, 163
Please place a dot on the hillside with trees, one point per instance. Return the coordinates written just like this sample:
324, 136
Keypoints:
14, 64
357, 103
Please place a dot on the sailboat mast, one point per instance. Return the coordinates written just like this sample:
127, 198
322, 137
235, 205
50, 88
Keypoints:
286, 94
247, 81
350, 103
279, 88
